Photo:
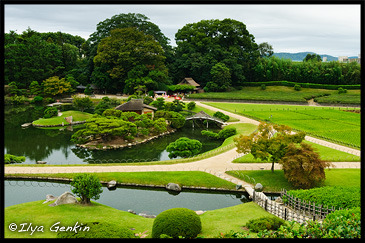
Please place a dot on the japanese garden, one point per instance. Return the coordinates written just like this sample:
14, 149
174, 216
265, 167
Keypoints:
123, 135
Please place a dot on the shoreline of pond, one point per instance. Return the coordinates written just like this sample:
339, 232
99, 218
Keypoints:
123, 184
125, 145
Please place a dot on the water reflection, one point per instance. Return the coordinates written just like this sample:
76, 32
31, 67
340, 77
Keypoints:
140, 200
55, 147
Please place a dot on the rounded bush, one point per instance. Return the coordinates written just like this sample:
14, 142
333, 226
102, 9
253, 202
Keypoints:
98, 230
268, 223
177, 222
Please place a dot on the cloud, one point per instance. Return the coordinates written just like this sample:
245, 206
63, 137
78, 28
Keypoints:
326, 29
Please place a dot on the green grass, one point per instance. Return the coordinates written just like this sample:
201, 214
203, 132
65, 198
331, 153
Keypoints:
274, 182
283, 93
42, 215
76, 116
183, 178
328, 123
214, 222
326, 153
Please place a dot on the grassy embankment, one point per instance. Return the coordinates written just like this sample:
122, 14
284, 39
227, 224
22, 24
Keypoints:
329, 123
284, 94
76, 116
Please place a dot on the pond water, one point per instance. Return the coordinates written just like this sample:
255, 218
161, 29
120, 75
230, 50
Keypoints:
54, 145
140, 200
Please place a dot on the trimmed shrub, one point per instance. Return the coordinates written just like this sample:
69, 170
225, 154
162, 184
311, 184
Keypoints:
98, 230
37, 99
268, 223
331, 196
227, 132
297, 87
263, 86
191, 105
177, 222
222, 116
50, 112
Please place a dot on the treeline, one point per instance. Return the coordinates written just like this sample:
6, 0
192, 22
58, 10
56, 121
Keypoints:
317, 72
129, 54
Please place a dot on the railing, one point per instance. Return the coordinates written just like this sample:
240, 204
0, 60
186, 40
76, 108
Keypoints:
279, 210
308, 208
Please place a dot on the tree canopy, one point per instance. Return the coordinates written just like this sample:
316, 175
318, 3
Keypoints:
122, 51
202, 45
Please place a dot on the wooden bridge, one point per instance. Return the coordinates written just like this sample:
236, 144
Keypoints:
204, 116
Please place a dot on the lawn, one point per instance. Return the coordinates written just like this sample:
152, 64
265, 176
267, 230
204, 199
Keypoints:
76, 116
283, 93
38, 214
326, 153
276, 181
330, 123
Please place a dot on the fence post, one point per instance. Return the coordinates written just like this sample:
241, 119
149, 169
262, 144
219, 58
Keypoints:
266, 205
285, 213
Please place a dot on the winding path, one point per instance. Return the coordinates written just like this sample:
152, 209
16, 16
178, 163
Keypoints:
216, 165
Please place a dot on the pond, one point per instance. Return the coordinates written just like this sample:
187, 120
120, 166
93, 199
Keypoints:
141, 200
54, 145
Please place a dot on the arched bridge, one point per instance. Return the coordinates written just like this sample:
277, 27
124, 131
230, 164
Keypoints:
204, 116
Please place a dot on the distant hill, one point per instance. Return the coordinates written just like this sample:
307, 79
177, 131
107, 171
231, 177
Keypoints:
301, 55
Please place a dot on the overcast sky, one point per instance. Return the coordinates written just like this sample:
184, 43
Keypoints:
323, 29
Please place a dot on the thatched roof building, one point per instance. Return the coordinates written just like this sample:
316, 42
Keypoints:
136, 105
190, 81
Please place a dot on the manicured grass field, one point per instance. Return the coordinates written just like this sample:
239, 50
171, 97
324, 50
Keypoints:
326, 153
76, 116
214, 222
330, 123
274, 182
283, 93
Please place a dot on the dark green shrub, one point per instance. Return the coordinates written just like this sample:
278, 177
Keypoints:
184, 147
37, 99
191, 105
50, 112
297, 87
341, 90
98, 230
263, 86
268, 223
209, 134
227, 132
177, 222
222, 116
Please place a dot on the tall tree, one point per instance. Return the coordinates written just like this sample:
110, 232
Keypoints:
203, 44
119, 21
126, 48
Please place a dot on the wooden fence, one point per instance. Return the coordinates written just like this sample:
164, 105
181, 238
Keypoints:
292, 208
309, 208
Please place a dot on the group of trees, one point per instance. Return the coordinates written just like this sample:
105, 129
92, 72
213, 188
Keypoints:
308, 71
127, 53
302, 166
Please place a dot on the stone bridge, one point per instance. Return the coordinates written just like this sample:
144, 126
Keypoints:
204, 116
